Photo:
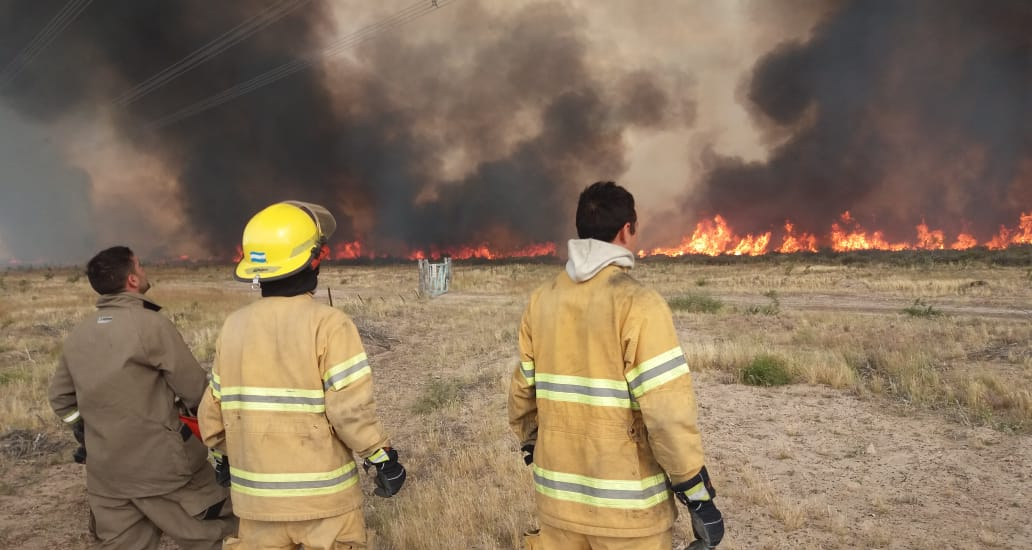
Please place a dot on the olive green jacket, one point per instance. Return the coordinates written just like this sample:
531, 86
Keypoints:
121, 371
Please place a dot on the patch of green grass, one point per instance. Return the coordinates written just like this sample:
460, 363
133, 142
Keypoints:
767, 370
10, 376
438, 395
921, 309
695, 303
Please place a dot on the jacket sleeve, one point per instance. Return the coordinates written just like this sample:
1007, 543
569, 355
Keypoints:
62, 394
522, 390
209, 416
348, 387
658, 378
168, 353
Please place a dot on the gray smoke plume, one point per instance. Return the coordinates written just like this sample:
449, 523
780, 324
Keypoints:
368, 135
895, 111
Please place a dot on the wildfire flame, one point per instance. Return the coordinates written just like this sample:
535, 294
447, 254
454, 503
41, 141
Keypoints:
714, 237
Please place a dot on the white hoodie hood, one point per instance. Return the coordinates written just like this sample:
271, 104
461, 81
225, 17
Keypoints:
589, 256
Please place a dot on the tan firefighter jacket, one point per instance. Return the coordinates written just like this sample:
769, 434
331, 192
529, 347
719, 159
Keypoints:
604, 392
120, 372
291, 398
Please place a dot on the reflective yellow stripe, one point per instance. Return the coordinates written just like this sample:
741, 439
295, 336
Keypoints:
698, 492
343, 374
657, 371
72, 417
600, 392
293, 485
216, 385
527, 368
602, 493
379, 456
272, 399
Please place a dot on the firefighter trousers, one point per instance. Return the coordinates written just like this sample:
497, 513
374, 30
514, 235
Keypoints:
343, 532
552, 538
137, 523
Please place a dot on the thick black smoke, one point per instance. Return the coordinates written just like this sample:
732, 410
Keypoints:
369, 136
895, 111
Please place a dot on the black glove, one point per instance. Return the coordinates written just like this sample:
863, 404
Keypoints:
390, 474
707, 522
79, 431
528, 456
222, 470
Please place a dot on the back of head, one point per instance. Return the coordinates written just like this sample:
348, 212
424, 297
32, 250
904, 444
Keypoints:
604, 207
109, 270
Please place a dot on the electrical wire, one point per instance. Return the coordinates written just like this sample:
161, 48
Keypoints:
272, 13
402, 17
64, 18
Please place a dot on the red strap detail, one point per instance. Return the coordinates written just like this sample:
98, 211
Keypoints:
324, 253
191, 422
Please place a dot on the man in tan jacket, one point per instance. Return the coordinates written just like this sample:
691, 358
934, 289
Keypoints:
291, 396
117, 384
602, 400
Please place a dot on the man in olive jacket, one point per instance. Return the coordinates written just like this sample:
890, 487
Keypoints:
117, 384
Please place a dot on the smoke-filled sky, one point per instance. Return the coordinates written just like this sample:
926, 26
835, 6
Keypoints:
481, 121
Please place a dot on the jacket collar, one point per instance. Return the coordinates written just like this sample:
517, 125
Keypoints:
126, 299
589, 256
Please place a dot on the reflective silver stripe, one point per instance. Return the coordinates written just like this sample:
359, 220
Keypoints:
292, 485
72, 417
604, 493
638, 384
527, 368
583, 390
278, 399
339, 376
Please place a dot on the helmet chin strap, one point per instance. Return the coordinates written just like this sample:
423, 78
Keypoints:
256, 283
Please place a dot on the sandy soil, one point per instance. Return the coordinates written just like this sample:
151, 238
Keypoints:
796, 467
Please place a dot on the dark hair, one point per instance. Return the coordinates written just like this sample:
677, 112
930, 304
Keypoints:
109, 270
604, 207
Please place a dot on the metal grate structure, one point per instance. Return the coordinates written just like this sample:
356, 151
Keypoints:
434, 279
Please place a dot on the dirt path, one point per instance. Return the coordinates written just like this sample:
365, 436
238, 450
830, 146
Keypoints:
809, 467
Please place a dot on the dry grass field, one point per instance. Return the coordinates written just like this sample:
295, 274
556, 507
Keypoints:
865, 405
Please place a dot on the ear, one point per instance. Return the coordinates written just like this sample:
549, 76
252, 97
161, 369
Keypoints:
624, 235
132, 283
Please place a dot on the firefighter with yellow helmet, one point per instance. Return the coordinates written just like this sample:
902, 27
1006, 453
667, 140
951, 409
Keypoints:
602, 399
291, 396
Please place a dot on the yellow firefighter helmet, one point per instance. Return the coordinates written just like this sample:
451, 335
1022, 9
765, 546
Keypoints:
284, 239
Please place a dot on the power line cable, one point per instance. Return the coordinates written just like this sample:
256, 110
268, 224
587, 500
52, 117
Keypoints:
272, 13
68, 14
406, 15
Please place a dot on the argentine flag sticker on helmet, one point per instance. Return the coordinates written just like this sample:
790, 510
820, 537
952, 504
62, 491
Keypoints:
258, 257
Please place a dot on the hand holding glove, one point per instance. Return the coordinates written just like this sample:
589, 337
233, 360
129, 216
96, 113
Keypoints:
707, 522
390, 474
79, 431
528, 453
222, 476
